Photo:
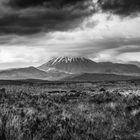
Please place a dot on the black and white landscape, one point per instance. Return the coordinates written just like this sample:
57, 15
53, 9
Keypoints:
69, 70
74, 68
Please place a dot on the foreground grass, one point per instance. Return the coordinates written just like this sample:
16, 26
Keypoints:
68, 115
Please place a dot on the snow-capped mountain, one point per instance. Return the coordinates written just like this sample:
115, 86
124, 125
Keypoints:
76, 65
70, 64
66, 68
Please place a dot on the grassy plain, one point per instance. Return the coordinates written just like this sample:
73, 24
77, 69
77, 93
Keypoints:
70, 111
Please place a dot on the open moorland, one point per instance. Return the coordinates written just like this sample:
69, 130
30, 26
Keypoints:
70, 110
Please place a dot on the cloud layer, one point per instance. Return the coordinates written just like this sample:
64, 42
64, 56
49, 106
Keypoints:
24, 17
33, 16
31, 31
121, 7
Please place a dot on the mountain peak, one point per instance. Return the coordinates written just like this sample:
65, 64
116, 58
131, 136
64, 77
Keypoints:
67, 59
69, 64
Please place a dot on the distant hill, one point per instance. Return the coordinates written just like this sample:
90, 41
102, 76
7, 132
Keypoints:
98, 77
31, 73
22, 73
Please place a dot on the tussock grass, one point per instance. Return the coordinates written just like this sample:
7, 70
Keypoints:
27, 113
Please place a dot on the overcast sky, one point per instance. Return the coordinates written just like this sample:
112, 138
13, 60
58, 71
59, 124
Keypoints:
33, 31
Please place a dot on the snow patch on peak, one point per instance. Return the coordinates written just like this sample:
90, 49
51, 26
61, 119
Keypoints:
66, 59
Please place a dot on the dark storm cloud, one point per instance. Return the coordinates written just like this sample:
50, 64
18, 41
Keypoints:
44, 3
26, 17
120, 7
34, 16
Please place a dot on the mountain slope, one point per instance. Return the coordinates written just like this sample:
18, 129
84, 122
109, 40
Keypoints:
98, 77
84, 65
53, 74
123, 69
23, 73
